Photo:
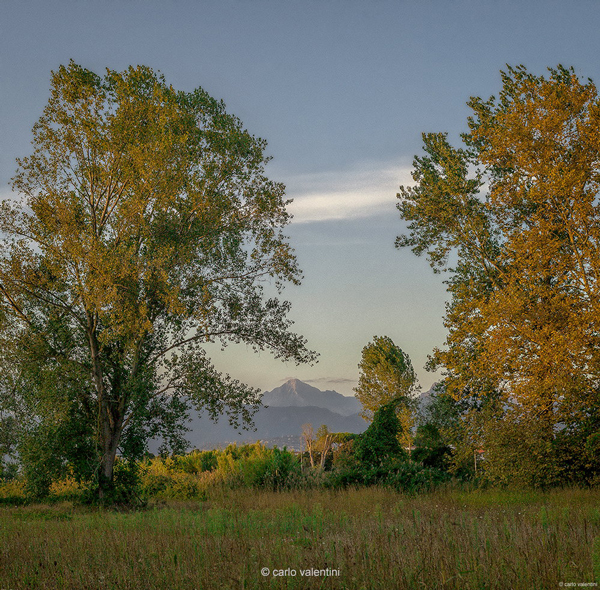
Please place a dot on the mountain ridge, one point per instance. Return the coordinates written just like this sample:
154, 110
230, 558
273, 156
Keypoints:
287, 410
297, 393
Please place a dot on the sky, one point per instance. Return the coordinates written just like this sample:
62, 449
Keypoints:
341, 90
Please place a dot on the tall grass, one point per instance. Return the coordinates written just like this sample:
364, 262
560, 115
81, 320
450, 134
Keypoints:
374, 537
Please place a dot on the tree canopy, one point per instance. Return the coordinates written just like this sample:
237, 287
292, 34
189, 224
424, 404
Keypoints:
143, 227
516, 211
386, 374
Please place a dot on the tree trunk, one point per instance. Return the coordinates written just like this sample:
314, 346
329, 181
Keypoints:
109, 437
110, 443
110, 420
324, 450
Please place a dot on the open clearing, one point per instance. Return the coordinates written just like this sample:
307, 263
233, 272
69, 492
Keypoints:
366, 538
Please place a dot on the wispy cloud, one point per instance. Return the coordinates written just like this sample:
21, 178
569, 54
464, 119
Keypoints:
361, 192
339, 380
331, 380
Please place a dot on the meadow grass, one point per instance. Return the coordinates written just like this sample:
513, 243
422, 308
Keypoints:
374, 537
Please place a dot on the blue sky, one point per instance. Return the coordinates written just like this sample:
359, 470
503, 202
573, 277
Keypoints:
341, 90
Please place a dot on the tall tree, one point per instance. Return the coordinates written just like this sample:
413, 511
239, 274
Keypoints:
524, 315
144, 227
386, 374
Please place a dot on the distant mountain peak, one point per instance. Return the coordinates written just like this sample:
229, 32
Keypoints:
300, 394
291, 405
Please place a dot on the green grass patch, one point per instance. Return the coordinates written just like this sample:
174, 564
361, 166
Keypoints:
374, 538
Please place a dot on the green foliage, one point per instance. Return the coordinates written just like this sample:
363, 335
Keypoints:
198, 461
270, 469
54, 449
8, 434
386, 373
415, 477
322, 433
125, 489
431, 449
379, 443
192, 476
442, 440
592, 444
13, 492
145, 227
126, 485
8, 471
171, 478
397, 474
376, 457
341, 438
520, 451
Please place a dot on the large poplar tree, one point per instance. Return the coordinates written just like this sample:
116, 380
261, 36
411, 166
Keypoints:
143, 227
517, 207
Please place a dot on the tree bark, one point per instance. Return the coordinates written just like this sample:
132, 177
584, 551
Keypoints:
111, 430
110, 419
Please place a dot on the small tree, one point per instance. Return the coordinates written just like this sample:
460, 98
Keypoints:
308, 437
386, 374
324, 441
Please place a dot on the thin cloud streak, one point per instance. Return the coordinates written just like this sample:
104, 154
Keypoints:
338, 380
363, 192
323, 380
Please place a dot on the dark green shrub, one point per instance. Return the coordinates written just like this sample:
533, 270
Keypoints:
433, 457
379, 443
51, 451
153, 484
414, 477
431, 449
398, 474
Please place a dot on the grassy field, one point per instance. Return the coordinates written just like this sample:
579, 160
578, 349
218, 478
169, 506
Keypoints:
367, 538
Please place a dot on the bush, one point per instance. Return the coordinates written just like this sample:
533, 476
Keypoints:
190, 476
379, 442
153, 485
13, 492
415, 477
398, 474
435, 457
267, 468
198, 461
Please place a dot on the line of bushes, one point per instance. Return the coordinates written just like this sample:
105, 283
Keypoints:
373, 458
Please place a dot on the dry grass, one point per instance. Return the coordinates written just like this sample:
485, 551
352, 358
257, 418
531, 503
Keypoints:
377, 539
